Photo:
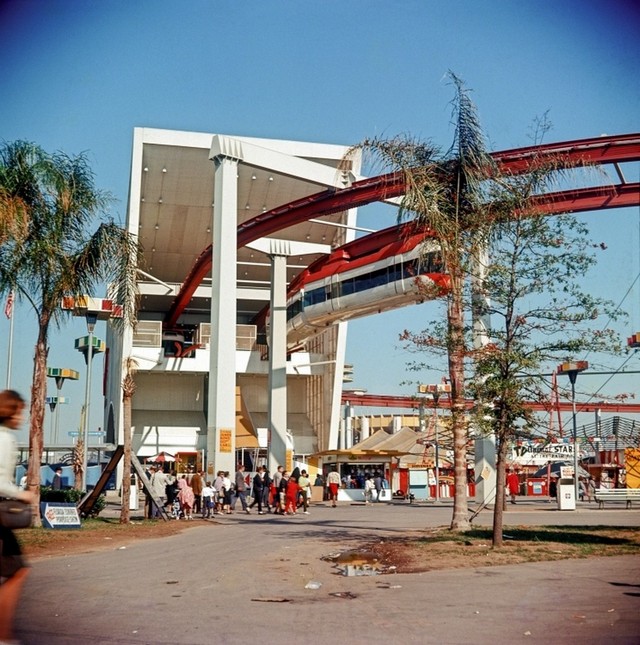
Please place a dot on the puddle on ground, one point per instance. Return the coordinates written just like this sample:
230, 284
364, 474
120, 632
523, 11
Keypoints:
360, 570
356, 563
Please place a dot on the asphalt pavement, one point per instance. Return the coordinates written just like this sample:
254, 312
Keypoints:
245, 578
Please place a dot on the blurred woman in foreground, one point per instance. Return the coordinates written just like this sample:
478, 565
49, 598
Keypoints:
13, 571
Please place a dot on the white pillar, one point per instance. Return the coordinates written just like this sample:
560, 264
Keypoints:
485, 447
221, 425
485, 470
364, 428
277, 387
348, 425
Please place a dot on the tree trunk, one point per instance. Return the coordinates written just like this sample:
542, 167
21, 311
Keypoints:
78, 462
125, 514
498, 509
36, 420
460, 519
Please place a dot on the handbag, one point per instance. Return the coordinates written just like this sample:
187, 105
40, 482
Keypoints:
15, 514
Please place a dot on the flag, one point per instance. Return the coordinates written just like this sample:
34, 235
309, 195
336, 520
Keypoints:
8, 308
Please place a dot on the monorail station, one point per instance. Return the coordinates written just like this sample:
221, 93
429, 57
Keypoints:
233, 355
252, 267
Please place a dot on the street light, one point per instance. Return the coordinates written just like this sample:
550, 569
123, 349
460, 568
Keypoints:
60, 374
92, 309
572, 369
436, 390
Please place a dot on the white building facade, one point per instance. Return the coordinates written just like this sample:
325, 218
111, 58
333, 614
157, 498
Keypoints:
207, 380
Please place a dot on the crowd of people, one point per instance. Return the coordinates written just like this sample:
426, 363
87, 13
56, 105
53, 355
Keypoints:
188, 495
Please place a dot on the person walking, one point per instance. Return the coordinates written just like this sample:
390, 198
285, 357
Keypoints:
553, 487
282, 493
159, 488
333, 484
378, 484
369, 487
278, 497
513, 485
291, 494
218, 489
196, 483
207, 500
56, 484
258, 487
13, 569
266, 488
241, 489
591, 488
305, 489
227, 489
186, 497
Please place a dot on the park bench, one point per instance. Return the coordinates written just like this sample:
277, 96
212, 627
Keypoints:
627, 495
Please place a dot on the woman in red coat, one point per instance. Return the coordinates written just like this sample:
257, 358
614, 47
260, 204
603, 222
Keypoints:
293, 488
513, 485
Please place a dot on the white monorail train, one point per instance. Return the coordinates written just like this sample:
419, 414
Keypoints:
392, 268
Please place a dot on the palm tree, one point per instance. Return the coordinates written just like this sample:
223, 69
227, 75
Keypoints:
57, 254
16, 168
445, 194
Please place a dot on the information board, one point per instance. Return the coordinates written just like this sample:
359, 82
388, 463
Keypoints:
59, 515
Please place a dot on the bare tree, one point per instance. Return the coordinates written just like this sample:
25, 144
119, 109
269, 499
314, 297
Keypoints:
539, 316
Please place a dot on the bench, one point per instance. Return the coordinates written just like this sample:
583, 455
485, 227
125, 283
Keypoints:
627, 495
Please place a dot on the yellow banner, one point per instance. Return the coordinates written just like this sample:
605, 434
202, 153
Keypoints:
225, 439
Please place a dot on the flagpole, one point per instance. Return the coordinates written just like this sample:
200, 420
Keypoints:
9, 312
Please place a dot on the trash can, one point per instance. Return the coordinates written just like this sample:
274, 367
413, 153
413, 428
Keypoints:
133, 494
566, 494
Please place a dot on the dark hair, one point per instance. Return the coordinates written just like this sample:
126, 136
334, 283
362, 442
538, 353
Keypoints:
10, 403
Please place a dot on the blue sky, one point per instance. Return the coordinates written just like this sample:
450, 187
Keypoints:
79, 76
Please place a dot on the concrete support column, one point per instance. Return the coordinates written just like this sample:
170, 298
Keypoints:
221, 425
485, 469
485, 447
348, 426
364, 428
277, 403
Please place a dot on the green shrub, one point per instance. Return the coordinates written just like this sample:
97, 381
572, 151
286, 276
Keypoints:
64, 496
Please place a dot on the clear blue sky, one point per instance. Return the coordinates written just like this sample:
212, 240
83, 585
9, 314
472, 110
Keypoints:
79, 76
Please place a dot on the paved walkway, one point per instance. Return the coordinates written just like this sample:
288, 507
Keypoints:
243, 579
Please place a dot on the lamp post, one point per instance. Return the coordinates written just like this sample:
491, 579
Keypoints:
53, 402
60, 374
572, 369
92, 309
436, 390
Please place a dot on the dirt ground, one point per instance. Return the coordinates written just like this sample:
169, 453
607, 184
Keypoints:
414, 551
440, 549
95, 535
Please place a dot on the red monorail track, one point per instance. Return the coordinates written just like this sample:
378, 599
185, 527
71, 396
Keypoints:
414, 402
602, 150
